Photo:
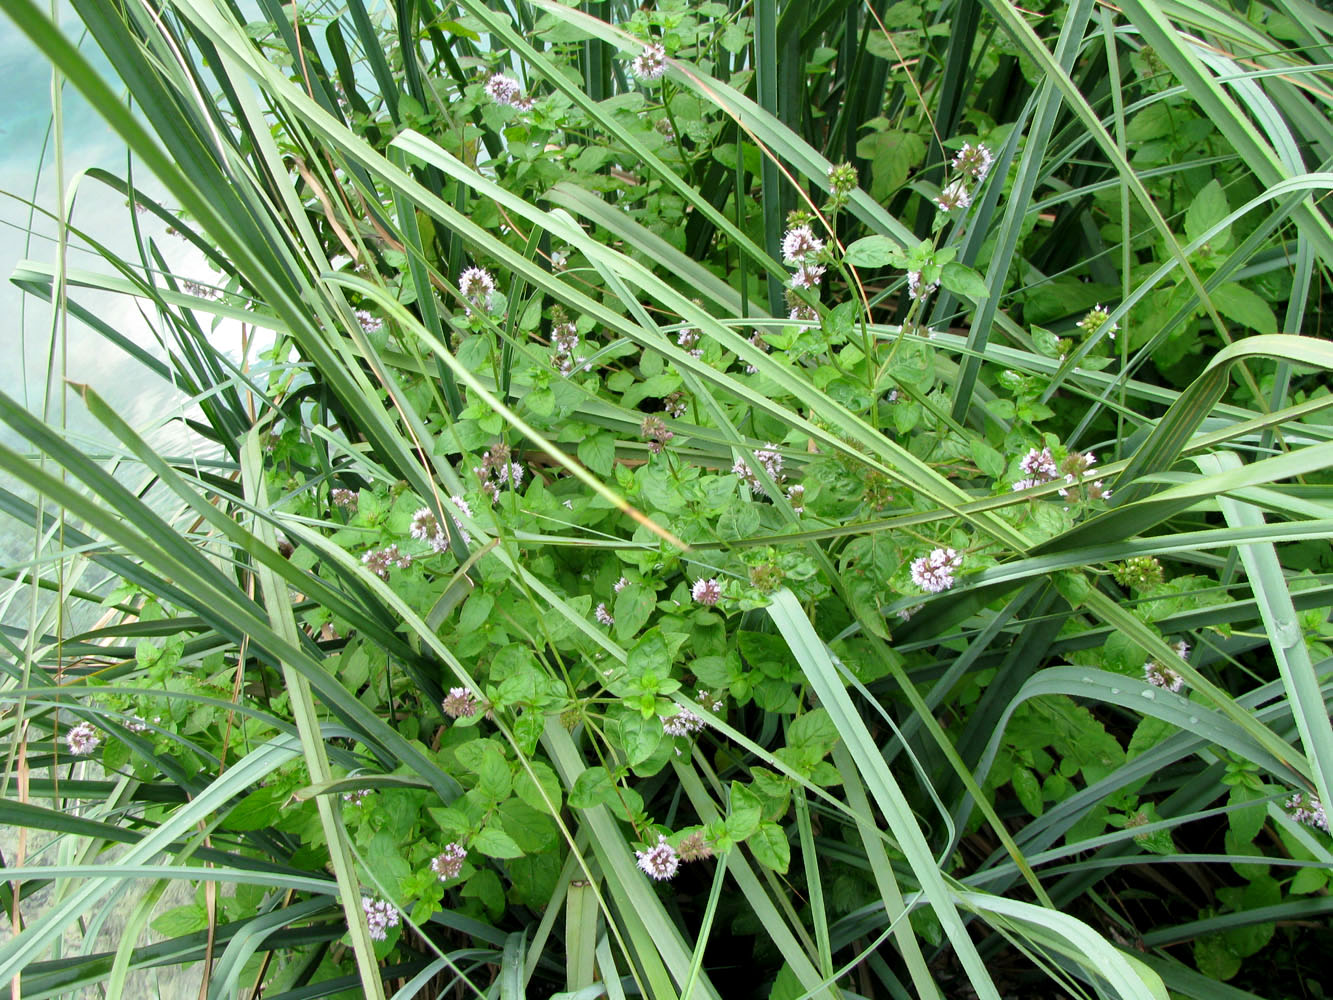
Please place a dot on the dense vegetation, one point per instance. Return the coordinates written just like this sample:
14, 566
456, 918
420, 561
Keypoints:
840, 484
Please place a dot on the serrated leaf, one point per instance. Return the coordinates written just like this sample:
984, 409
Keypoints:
871, 251
592, 788
598, 452
962, 280
769, 846
495, 843
1240, 305
1208, 208
745, 814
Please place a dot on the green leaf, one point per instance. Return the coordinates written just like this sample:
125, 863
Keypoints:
495, 843
598, 452
639, 736
872, 251
1028, 790
770, 848
634, 605
181, 920
745, 813
1240, 305
1208, 208
593, 787
963, 281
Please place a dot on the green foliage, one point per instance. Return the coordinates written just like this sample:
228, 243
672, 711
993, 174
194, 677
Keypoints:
790, 461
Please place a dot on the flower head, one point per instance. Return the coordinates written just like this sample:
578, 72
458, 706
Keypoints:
770, 458
620, 584
380, 915
466, 511
343, 498
449, 862
357, 796
954, 196
477, 287
1306, 808
1139, 571
1162, 676
799, 244
796, 497
426, 528
1039, 464
459, 703
693, 847
378, 561
659, 862
807, 275
502, 89
841, 181
369, 321
82, 739
916, 290
1096, 319
973, 161
707, 592
603, 616
683, 723
651, 63
934, 572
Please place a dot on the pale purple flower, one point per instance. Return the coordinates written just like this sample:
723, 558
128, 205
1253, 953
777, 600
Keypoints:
687, 338
954, 196
651, 63
973, 161
1162, 676
343, 498
459, 703
380, 915
916, 290
1039, 465
449, 862
620, 585
683, 723
82, 739
709, 700
357, 796
934, 572
803, 314
770, 458
603, 616
477, 287
502, 89
675, 405
707, 592
796, 497
1182, 648
756, 340
659, 862
905, 614
807, 276
466, 511
1306, 808
369, 321
426, 528
799, 244
378, 561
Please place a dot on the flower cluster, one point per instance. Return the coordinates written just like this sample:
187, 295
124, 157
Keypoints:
972, 163
82, 739
796, 497
841, 183
427, 528
1159, 675
800, 245
934, 572
369, 321
380, 915
477, 287
1306, 808
707, 592
693, 847
505, 90
1096, 319
449, 862
683, 723
1138, 572
603, 616
771, 459
357, 796
916, 290
1038, 468
565, 341
496, 471
675, 404
459, 703
1162, 676
378, 561
1076, 467
345, 499
688, 339
651, 63
659, 862
756, 340
656, 432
